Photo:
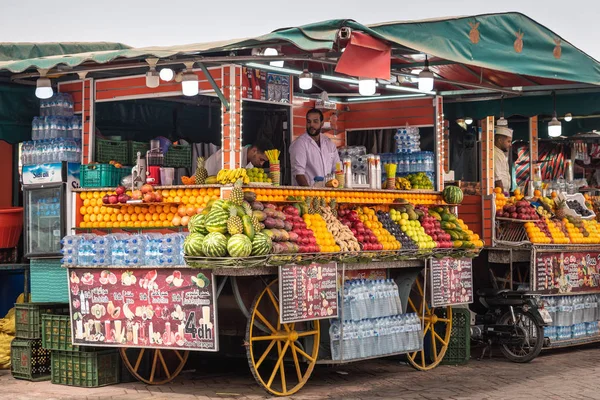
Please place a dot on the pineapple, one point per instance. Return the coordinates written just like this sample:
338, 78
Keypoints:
560, 209
247, 208
333, 207
234, 223
256, 224
237, 194
309, 205
201, 172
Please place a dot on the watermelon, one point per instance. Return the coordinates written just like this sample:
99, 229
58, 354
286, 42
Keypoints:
227, 205
192, 245
239, 246
452, 195
214, 245
248, 227
216, 220
218, 204
196, 224
261, 245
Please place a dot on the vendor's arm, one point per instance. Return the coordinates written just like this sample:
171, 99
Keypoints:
298, 159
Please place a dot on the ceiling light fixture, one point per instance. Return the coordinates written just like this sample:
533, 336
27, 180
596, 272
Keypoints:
367, 86
189, 81
152, 80
269, 52
568, 117
166, 74
426, 78
502, 121
305, 80
554, 126
468, 120
43, 86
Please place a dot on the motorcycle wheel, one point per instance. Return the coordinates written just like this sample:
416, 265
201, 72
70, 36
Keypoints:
533, 340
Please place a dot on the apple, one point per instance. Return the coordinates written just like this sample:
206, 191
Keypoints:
123, 198
147, 198
120, 190
147, 188
136, 195
106, 199
112, 199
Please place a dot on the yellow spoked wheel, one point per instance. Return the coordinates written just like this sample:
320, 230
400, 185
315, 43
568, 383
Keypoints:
281, 356
154, 366
436, 330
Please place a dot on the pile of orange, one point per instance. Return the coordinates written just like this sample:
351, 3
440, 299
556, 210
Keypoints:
178, 205
345, 196
535, 234
369, 219
500, 198
324, 238
558, 236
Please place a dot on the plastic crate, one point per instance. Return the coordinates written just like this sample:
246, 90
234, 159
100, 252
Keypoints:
49, 282
90, 369
111, 150
29, 360
98, 175
120, 173
56, 334
133, 148
28, 317
179, 157
459, 348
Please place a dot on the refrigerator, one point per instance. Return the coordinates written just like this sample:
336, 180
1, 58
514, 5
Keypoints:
48, 208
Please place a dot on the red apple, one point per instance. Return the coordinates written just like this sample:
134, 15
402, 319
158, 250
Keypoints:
106, 199
112, 199
120, 190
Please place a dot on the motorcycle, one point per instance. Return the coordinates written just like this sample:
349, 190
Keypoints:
514, 321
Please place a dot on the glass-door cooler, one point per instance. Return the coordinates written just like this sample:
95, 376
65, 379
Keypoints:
47, 189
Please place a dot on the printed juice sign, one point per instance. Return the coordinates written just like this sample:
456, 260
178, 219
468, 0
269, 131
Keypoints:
157, 308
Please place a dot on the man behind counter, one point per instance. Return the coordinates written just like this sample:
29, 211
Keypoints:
252, 156
502, 143
312, 154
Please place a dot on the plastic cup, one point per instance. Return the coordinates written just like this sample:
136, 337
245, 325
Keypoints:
166, 176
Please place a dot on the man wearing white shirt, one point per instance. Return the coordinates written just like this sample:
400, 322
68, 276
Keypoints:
312, 154
251, 156
502, 143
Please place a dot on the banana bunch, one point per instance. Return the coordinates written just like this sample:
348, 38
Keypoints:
403, 184
226, 176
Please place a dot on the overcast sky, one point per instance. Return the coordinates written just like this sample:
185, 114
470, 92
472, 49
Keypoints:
167, 22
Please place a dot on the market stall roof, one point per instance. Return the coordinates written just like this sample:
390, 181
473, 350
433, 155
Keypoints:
25, 51
471, 56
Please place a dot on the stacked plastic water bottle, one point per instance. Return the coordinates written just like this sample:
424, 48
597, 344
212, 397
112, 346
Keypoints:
408, 140
121, 249
372, 323
573, 317
56, 133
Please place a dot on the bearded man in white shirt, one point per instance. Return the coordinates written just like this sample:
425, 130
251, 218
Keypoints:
502, 143
312, 154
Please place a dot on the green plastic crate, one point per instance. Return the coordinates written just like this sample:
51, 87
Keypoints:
29, 360
98, 175
459, 348
111, 150
89, 369
121, 173
179, 157
133, 148
49, 281
28, 317
56, 334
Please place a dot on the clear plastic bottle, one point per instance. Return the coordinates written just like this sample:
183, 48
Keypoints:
334, 336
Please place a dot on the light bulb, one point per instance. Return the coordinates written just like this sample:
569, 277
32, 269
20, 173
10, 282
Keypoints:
152, 80
568, 117
468, 120
166, 74
189, 84
305, 80
554, 127
502, 121
269, 51
43, 88
366, 86
426, 80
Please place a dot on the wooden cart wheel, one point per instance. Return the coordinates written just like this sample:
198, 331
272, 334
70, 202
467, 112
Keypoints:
163, 366
282, 359
436, 330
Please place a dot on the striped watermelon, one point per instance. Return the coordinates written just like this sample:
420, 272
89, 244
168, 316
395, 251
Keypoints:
218, 204
261, 245
215, 245
239, 246
452, 195
192, 245
216, 220
196, 224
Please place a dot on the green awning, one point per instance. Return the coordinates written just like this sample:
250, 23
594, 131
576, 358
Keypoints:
452, 39
25, 51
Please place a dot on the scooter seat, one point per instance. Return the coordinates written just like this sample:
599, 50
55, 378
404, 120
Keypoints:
491, 292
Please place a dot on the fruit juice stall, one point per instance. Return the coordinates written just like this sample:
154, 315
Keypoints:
544, 237
300, 275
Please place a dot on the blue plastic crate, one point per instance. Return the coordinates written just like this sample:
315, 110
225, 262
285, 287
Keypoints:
49, 281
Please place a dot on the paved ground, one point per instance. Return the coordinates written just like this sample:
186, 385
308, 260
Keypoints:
566, 374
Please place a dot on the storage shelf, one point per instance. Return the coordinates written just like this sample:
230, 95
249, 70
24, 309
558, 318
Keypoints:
572, 342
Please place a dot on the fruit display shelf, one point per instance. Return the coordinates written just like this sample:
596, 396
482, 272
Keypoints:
142, 204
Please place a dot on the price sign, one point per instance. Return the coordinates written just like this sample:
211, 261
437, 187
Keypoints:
562, 272
308, 292
451, 281
152, 308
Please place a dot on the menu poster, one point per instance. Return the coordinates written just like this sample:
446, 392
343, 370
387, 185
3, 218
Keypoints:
307, 292
567, 272
153, 308
254, 84
451, 281
278, 88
